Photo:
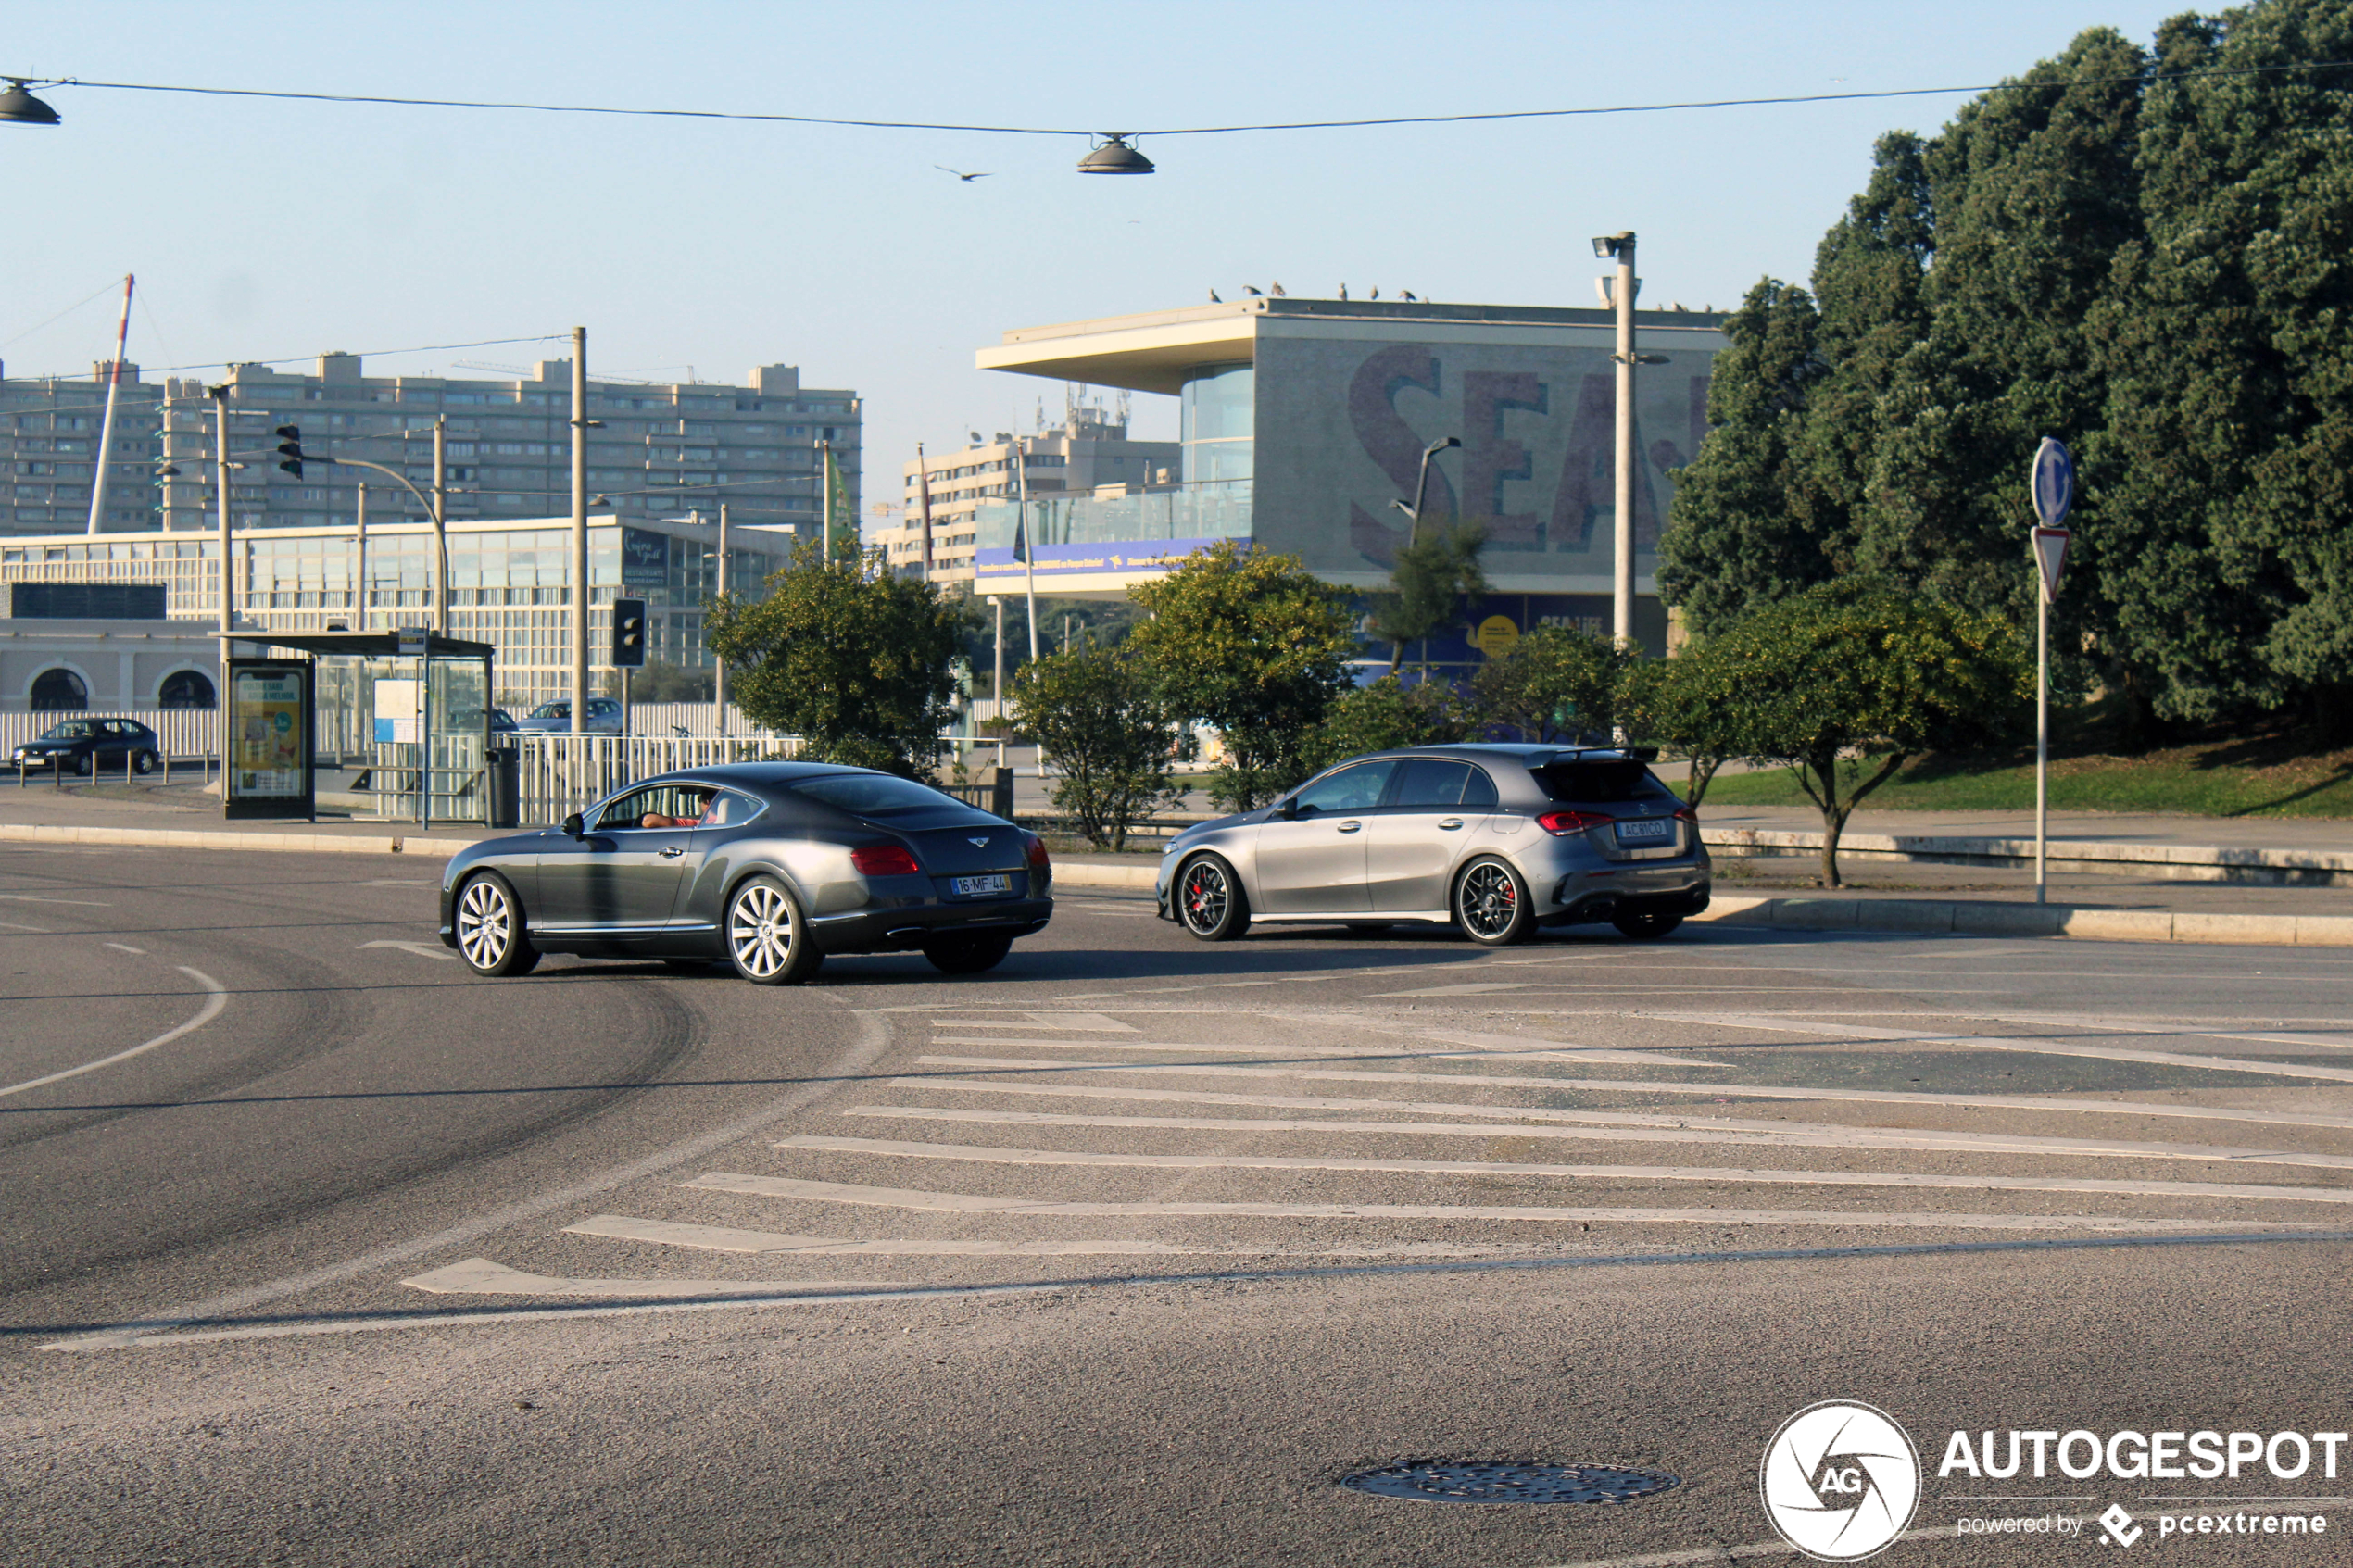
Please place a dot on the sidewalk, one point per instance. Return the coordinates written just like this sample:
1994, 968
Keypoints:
2102, 827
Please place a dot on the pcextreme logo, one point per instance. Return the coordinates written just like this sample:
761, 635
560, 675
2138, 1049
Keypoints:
1840, 1481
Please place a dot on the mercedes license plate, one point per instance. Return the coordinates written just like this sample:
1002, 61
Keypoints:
966, 886
1654, 830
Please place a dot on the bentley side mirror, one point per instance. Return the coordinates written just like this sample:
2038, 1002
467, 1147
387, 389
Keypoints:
574, 826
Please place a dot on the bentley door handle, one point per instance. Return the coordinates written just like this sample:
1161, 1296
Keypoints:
1451, 823
1350, 827
670, 854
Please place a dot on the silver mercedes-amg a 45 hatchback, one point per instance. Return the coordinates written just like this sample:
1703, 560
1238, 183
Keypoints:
1496, 840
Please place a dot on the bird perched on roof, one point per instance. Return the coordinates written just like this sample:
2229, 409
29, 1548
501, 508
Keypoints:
1277, 290
1343, 291
1213, 299
1256, 292
1376, 293
960, 174
1407, 294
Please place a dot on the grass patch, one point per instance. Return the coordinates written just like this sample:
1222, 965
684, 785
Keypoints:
2218, 778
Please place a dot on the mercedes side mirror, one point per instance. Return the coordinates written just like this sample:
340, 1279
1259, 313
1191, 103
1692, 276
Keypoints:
574, 826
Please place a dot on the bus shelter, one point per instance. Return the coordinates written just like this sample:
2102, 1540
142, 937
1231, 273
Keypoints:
404, 714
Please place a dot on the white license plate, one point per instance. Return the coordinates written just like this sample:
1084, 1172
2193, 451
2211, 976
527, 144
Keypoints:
1658, 830
967, 885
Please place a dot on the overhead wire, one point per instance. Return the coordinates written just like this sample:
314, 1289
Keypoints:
1766, 102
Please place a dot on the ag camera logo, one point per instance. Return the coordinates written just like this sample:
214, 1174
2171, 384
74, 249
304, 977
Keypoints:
1840, 1481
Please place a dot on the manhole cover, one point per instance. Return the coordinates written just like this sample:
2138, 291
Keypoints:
1432, 1482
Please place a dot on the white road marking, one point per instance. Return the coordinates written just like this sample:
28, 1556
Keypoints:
1483, 985
480, 1276
978, 1203
125, 947
158, 1328
993, 1154
1605, 1127
34, 898
1034, 1017
15, 925
418, 949
215, 999
2027, 1045
1544, 1052
719, 1238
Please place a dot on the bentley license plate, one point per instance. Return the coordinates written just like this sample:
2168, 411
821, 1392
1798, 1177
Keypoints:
966, 886
1656, 829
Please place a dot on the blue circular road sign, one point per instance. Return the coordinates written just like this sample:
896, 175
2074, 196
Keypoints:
2051, 482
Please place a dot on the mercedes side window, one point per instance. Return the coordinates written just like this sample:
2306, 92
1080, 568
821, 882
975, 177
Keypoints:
1478, 791
1429, 782
1351, 789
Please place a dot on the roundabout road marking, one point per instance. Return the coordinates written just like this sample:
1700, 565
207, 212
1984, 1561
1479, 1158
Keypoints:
216, 998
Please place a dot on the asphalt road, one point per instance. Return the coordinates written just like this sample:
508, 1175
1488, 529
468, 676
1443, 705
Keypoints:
314, 1248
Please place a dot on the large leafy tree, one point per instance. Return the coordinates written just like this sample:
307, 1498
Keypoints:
1388, 714
1251, 643
2143, 252
856, 663
1695, 705
1097, 715
1846, 683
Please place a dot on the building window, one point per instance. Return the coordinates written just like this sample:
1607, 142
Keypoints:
58, 691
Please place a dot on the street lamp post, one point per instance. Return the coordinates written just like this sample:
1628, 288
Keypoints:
1421, 488
1620, 246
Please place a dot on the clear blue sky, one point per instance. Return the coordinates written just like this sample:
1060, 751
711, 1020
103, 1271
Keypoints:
261, 229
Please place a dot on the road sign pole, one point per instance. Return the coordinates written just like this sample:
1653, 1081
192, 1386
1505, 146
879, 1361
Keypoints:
2042, 738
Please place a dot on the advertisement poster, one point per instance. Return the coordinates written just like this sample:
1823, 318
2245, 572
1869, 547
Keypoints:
644, 558
267, 739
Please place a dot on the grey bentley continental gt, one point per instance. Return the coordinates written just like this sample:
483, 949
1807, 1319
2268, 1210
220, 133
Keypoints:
1495, 840
769, 865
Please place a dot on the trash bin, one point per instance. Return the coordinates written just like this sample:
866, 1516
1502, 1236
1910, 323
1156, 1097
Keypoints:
505, 785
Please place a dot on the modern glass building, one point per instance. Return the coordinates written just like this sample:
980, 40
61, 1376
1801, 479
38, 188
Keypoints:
1302, 427
509, 583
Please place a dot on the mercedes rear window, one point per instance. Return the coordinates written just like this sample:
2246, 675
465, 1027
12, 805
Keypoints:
1599, 781
872, 794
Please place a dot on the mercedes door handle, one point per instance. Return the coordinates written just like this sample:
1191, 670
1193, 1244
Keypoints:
1350, 827
670, 854
1451, 823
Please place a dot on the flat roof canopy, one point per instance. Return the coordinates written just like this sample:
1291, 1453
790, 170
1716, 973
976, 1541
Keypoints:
1152, 351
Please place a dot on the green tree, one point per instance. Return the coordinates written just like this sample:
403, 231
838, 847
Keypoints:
856, 663
1693, 705
1251, 643
1556, 683
657, 682
1102, 721
1387, 715
1430, 580
1846, 684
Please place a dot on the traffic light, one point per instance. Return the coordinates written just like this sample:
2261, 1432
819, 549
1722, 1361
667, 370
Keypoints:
290, 449
629, 634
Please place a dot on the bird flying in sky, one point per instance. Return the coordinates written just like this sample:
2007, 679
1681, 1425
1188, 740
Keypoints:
960, 174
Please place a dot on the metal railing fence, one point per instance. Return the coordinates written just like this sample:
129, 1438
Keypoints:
561, 775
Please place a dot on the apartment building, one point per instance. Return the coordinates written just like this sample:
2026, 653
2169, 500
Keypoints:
660, 450
49, 433
1089, 452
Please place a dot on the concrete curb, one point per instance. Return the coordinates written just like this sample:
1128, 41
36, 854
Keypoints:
1089, 873
2182, 861
1984, 918
189, 838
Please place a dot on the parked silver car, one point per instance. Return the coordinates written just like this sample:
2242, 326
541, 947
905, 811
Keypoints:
555, 718
1496, 840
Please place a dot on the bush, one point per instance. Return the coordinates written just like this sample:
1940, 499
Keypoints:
1098, 716
1386, 715
1556, 683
